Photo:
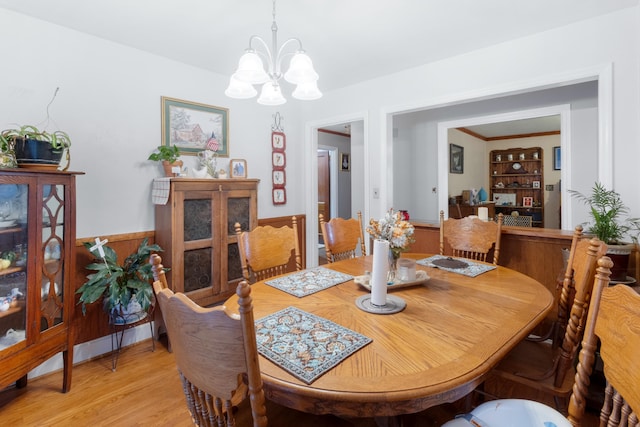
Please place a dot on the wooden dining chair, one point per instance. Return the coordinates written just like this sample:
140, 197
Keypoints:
470, 237
544, 366
613, 323
612, 317
266, 251
217, 359
341, 237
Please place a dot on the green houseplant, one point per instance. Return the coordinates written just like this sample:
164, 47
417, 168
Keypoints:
32, 146
125, 287
169, 156
611, 223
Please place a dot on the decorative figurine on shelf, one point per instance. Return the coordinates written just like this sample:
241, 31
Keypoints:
474, 197
210, 156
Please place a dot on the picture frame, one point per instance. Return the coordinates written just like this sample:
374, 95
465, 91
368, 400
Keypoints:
238, 168
194, 127
345, 162
279, 196
456, 158
278, 141
279, 178
527, 202
557, 158
536, 184
278, 160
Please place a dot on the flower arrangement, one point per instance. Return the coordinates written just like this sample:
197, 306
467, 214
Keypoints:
395, 230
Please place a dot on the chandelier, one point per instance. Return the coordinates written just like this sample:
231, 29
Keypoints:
251, 71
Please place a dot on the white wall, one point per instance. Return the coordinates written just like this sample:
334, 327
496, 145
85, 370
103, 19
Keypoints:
475, 173
501, 69
109, 102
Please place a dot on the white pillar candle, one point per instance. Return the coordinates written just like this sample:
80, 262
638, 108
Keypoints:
483, 213
380, 271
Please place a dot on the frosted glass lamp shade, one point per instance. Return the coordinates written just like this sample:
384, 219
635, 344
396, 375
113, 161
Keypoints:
271, 94
307, 91
251, 69
240, 90
300, 70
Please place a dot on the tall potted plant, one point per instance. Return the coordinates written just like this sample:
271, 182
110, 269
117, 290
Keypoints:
611, 224
125, 289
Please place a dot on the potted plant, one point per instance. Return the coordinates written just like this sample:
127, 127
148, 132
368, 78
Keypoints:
7, 157
126, 288
34, 147
611, 223
169, 156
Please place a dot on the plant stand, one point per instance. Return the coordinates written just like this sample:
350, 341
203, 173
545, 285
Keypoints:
119, 323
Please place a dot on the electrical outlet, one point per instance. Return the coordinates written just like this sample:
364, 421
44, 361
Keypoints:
376, 193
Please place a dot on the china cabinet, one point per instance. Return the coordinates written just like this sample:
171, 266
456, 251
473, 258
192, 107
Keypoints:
517, 183
37, 256
195, 228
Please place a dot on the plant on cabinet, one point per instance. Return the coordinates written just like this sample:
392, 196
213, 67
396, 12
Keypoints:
169, 156
33, 147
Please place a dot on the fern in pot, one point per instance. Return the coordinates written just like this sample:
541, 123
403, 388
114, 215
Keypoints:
125, 289
611, 223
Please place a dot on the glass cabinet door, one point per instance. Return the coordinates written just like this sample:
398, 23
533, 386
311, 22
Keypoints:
13, 259
51, 308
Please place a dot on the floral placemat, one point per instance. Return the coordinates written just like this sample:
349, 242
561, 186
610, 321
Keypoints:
472, 269
305, 345
306, 282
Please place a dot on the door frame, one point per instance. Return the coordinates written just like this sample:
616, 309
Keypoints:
333, 179
311, 170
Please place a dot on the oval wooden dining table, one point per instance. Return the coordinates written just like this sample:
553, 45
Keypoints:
453, 330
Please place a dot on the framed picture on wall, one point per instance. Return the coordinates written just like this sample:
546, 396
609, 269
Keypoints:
279, 196
456, 159
194, 127
557, 159
536, 184
527, 202
345, 162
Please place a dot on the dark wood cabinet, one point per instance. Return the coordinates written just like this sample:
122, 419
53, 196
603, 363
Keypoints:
195, 228
37, 244
517, 185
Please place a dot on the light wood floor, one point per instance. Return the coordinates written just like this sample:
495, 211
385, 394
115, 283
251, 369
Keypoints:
144, 391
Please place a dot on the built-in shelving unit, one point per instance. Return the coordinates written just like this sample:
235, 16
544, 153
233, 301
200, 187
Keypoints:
517, 184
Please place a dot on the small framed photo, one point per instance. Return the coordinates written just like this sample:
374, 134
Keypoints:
279, 178
456, 159
279, 196
527, 202
278, 141
238, 168
345, 162
536, 184
278, 160
557, 159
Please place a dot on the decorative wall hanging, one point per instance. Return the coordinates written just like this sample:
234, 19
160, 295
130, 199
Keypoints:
278, 162
194, 127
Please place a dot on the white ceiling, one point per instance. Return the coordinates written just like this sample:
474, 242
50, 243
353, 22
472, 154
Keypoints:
348, 40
